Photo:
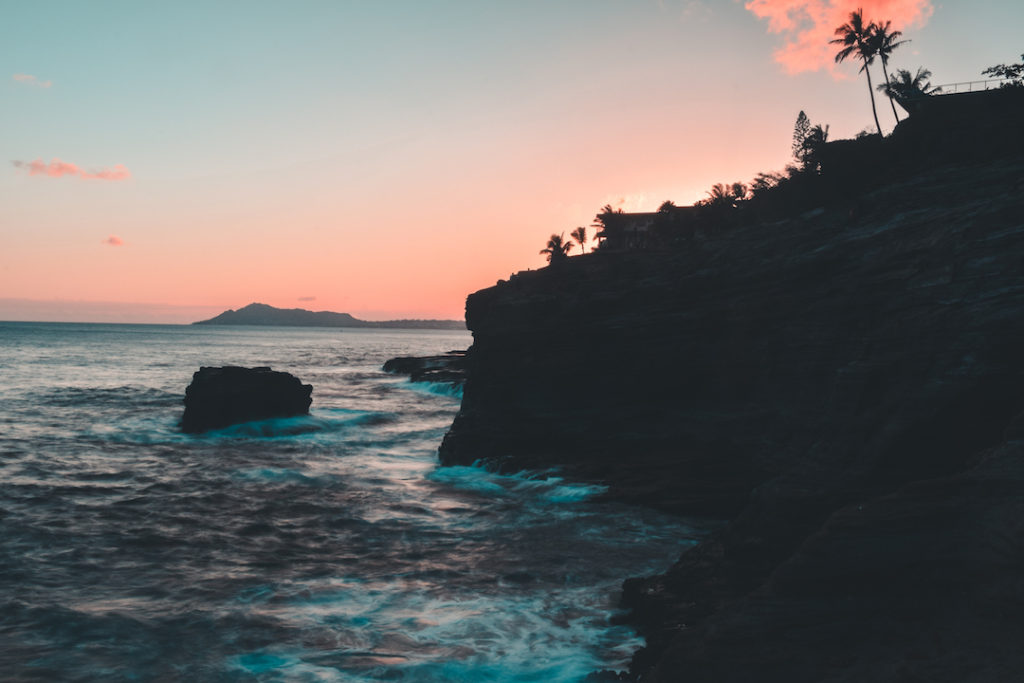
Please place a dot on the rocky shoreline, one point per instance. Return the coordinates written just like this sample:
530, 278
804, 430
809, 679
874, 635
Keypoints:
448, 369
845, 386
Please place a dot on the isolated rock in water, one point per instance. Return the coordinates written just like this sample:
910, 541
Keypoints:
447, 369
218, 397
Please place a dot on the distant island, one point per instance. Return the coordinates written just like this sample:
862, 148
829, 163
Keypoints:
262, 314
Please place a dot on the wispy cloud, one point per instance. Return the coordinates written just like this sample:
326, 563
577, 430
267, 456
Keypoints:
29, 79
806, 26
113, 241
307, 298
57, 168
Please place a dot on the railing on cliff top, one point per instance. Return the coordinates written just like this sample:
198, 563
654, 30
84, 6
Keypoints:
972, 86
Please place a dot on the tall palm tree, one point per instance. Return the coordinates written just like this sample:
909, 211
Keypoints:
885, 43
855, 38
557, 249
580, 235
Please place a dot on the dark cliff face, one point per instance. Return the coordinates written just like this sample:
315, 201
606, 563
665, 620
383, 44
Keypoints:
840, 336
844, 386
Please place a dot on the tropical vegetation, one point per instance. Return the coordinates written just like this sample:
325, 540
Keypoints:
885, 41
776, 194
557, 249
906, 87
858, 39
580, 235
725, 195
808, 141
1013, 73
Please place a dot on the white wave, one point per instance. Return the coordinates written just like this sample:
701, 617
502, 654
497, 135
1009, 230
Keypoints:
543, 486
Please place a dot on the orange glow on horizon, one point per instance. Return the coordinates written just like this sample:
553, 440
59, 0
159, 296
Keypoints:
341, 157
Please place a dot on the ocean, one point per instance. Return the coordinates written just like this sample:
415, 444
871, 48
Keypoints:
329, 547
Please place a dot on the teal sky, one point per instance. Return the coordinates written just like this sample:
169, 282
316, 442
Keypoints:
386, 159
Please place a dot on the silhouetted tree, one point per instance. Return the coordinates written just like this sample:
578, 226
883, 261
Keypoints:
667, 226
557, 249
856, 39
800, 130
599, 224
808, 141
813, 144
580, 235
1014, 73
885, 43
722, 195
906, 87
764, 182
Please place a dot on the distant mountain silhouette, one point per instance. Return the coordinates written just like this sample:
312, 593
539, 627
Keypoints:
262, 314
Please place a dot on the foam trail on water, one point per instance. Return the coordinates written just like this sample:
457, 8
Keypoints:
540, 485
325, 547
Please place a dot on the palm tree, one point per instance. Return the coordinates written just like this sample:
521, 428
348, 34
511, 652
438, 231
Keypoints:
906, 87
557, 249
725, 196
600, 223
764, 182
885, 42
855, 38
580, 235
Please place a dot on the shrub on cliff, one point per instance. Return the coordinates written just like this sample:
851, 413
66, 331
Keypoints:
1014, 73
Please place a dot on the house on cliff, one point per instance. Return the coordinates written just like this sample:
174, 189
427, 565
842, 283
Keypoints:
623, 231
639, 231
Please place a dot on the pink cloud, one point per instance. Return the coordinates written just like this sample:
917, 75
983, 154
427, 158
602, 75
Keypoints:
57, 168
113, 241
806, 26
29, 79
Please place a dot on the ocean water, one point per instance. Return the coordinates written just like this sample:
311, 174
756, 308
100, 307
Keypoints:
323, 548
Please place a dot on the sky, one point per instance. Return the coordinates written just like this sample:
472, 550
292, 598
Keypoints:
163, 162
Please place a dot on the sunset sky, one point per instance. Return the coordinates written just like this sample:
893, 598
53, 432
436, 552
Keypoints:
165, 161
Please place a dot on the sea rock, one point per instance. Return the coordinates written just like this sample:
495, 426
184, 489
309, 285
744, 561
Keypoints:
218, 397
447, 369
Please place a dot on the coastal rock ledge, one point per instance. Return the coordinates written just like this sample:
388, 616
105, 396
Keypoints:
219, 397
844, 387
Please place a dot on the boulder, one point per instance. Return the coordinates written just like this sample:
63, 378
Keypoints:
447, 369
218, 397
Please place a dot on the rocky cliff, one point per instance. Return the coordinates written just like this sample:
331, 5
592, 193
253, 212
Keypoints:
846, 386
